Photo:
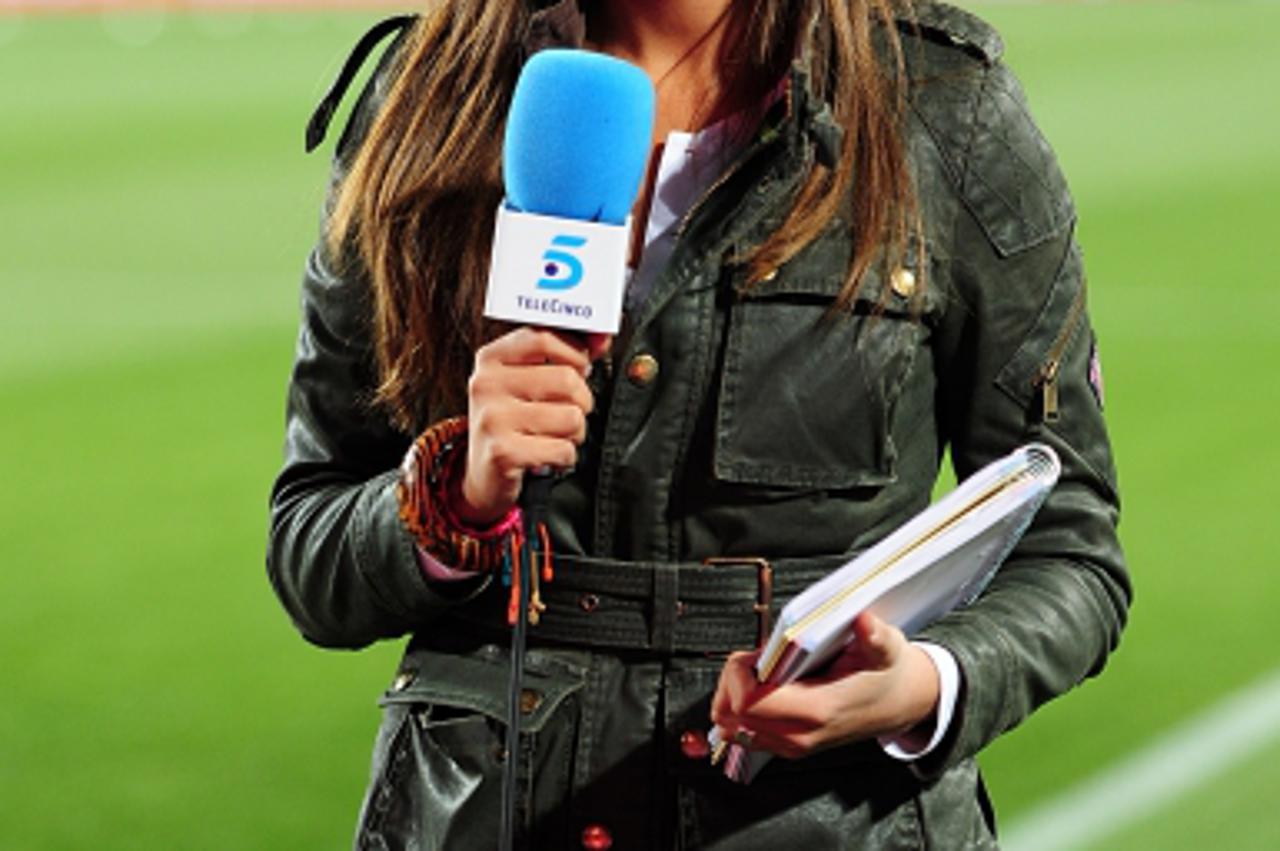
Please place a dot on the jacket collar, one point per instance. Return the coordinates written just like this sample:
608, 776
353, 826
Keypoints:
564, 24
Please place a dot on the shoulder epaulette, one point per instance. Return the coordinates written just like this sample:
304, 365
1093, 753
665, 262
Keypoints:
955, 26
318, 126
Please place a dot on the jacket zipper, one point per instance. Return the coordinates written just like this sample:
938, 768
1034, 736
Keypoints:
1047, 376
767, 136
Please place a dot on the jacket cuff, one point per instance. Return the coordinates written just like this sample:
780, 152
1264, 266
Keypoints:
976, 710
383, 540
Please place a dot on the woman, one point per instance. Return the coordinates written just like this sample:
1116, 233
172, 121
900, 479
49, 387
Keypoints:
865, 257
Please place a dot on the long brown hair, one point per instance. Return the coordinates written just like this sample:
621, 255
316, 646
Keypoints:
418, 201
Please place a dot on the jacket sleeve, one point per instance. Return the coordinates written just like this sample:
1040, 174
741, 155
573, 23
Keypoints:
338, 556
1015, 350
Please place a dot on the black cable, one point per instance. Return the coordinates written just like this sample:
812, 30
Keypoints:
533, 502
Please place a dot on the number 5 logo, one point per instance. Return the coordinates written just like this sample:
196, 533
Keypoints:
562, 270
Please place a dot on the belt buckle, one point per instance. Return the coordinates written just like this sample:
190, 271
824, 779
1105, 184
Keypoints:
764, 589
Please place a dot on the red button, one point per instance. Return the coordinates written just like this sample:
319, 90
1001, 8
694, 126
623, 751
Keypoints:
694, 744
596, 837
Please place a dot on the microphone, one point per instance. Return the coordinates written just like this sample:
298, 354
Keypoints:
576, 144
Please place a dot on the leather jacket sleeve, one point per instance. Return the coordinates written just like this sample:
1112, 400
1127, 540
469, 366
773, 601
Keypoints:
1014, 350
338, 556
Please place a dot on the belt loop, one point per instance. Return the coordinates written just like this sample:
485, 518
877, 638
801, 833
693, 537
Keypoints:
764, 590
665, 597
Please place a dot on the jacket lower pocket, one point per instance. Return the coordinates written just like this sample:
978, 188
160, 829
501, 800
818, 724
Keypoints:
438, 763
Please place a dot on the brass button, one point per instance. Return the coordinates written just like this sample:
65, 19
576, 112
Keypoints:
769, 276
530, 700
596, 837
903, 282
694, 744
403, 680
642, 370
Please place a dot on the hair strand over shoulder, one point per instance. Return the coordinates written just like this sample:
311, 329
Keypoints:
416, 206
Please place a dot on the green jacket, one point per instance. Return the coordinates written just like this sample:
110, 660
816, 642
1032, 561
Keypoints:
759, 429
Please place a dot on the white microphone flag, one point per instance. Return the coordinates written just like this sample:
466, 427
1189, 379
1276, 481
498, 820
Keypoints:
557, 273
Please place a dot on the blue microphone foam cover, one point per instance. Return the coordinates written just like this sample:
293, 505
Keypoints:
578, 136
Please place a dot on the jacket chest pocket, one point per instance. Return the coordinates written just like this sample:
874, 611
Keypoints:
438, 761
806, 396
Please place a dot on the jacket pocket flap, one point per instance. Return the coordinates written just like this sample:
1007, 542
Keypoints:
479, 684
809, 279
818, 270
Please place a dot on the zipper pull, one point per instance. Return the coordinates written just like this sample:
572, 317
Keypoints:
1049, 391
1047, 378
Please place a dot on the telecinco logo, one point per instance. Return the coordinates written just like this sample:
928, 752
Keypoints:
561, 270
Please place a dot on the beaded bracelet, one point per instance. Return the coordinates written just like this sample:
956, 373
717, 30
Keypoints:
430, 467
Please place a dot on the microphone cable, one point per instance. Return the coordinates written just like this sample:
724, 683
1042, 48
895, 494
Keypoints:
534, 499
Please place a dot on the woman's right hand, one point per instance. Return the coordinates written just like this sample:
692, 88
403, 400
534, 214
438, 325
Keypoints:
528, 402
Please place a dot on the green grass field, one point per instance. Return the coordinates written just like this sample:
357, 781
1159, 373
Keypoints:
155, 209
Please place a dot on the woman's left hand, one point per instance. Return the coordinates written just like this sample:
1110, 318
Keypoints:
880, 685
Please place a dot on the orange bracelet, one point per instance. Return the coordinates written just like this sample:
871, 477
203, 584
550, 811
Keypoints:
430, 466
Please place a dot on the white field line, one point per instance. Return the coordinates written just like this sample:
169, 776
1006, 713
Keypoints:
1191, 755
